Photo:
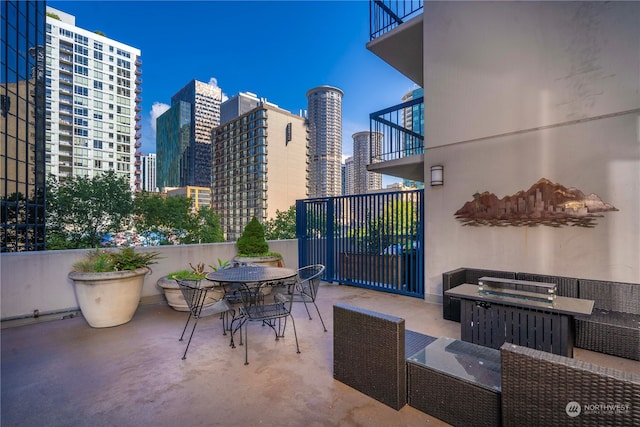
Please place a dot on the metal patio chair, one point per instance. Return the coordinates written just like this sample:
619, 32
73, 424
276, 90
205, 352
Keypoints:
305, 290
254, 309
202, 303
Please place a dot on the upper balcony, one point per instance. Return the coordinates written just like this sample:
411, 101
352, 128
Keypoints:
402, 127
396, 35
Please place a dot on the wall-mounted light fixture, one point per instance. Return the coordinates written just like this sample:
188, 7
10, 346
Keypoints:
437, 175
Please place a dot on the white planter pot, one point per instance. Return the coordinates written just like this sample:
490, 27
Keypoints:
265, 261
109, 299
174, 296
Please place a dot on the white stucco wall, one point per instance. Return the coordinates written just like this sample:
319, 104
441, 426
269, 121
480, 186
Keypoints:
519, 91
38, 280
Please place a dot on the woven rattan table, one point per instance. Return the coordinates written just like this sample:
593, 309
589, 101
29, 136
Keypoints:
457, 382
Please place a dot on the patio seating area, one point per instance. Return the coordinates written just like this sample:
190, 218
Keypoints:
64, 372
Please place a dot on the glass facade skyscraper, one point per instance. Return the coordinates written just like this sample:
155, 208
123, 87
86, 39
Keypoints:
413, 119
194, 158
173, 138
22, 104
325, 141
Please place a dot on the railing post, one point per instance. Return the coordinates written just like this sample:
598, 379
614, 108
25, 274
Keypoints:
330, 273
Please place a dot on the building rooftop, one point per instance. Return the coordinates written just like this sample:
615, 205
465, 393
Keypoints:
63, 372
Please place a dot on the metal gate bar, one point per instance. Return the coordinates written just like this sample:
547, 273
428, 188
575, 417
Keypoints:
367, 240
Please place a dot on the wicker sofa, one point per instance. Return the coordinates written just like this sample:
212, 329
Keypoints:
614, 325
540, 388
613, 328
370, 350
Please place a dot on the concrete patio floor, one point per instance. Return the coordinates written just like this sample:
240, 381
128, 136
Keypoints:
63, 372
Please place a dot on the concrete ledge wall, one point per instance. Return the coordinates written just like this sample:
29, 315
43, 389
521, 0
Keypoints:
38, 280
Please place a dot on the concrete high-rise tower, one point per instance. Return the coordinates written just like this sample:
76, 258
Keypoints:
183, 141
93, 102
325, 141
347, 177
365, 143
149, 172
260, 166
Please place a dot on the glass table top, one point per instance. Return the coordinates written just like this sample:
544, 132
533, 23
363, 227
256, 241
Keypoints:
470, 362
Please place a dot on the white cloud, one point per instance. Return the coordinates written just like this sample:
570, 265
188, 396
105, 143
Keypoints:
214, 82
157, 109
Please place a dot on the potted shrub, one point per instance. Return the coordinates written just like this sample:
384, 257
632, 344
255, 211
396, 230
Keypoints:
108, 284
253, 247
171, 290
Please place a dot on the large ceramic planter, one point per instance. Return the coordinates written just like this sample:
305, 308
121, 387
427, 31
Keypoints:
109, 299
174, 296
265, 261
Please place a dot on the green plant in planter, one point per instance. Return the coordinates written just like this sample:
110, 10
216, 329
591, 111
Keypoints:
196, 273
252, 242
108, 284
103, 261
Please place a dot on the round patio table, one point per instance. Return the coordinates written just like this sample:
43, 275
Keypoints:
251, 275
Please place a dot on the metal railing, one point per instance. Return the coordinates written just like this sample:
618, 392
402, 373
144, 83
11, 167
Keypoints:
385, 15
366, 240
402, 129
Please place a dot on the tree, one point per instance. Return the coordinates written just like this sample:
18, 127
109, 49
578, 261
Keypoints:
283, 226
158, 213
252, 241
81, 210
205, 227
164, 216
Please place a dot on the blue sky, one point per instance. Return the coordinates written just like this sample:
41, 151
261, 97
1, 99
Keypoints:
277, 50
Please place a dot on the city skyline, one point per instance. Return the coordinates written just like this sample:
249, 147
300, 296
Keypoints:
277, 50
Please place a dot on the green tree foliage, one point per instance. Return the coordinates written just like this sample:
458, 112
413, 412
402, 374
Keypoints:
283, 226
204, 227
174, 215
81, 210
396, 225
252, 241
156, 212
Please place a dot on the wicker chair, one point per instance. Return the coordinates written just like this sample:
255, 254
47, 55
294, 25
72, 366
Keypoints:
614, 325
544, 389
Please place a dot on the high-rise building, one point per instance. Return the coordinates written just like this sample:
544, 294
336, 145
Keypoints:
325, 141
413, 120
92, 102
237, 105
183, 141
259, 166
149, 173
201, 196
347, 176
364, 145
22, 148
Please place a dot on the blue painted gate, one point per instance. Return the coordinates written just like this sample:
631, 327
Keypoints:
369, 240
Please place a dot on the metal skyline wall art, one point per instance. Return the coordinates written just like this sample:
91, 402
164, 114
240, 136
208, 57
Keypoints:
545, 203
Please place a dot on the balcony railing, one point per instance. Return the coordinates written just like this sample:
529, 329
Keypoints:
402, 129
385, 15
